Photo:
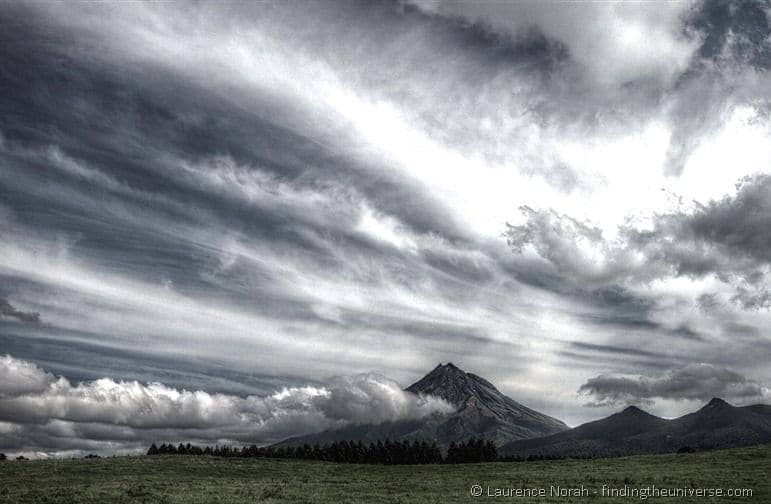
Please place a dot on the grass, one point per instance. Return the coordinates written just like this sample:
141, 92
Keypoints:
186, 479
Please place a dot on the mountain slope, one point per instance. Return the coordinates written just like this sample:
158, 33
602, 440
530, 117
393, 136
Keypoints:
721, 425
633, 431
482, 411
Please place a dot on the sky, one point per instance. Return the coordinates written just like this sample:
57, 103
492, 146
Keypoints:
239, 222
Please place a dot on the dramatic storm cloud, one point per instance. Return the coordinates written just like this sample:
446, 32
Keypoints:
40, 412
244, 198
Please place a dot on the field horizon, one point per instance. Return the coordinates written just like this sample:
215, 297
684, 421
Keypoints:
191, 479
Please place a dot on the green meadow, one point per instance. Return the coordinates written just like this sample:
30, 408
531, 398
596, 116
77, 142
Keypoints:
189, 479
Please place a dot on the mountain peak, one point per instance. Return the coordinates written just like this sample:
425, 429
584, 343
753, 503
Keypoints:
635, 413
716, 402
458, 387
446, 381
481, 411
448, 368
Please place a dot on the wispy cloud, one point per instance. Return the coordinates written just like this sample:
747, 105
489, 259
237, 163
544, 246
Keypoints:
7, 310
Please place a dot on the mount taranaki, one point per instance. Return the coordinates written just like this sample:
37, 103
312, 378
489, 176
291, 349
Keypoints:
481, 411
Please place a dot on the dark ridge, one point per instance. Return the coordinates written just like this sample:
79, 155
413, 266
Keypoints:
633, 431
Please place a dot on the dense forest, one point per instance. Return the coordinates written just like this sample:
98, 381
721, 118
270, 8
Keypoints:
381, 452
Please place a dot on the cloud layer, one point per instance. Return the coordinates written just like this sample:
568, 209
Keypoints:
41, 412
691, 382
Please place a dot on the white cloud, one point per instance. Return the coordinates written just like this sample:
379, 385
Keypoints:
385, 229
31, 399
18, 377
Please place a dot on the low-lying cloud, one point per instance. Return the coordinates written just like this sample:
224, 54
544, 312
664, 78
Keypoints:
691, 382
52, 414
19, 377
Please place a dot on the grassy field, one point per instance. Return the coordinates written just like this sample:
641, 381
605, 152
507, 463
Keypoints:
172, 479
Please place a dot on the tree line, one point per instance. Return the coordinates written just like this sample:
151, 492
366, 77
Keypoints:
3, 456
381, 452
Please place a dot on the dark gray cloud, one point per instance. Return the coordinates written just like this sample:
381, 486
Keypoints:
728, 238
737, 31
7, 310
691, 382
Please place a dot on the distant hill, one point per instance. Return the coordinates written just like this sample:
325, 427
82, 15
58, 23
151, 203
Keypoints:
482, 411
633, 431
